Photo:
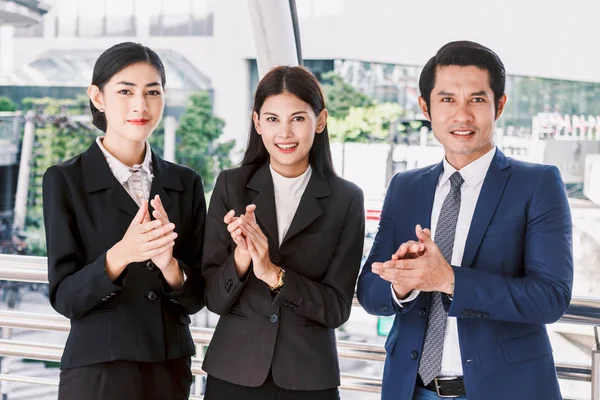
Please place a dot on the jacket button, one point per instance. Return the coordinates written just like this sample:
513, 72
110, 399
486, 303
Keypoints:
152, 295
150, 265
485, 315
414, 355
422, 312
472, 313
465, 313
274, 318
478, 314
383, 308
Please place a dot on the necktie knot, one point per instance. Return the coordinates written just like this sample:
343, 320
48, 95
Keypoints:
456, 180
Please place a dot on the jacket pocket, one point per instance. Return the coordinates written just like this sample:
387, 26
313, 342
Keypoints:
107, 306
525, 348
234, 313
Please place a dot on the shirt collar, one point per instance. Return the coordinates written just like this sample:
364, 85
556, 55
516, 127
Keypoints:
472, 173
121, 171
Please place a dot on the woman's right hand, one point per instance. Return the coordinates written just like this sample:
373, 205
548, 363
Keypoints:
241, 254
143, 240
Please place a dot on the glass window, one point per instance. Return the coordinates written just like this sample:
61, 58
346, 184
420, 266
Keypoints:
120, 18
66, 19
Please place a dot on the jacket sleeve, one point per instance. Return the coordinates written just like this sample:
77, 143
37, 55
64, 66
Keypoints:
543, 293
374, 293
329, 301
191, 296
223, 286
75, 288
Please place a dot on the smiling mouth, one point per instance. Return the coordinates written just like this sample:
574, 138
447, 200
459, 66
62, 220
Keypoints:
462, 132
286, 146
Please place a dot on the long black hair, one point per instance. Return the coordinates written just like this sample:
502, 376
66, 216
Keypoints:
302, 84
114, 60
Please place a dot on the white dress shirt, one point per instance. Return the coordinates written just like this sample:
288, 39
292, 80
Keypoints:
473, 175
288, 192
136, 180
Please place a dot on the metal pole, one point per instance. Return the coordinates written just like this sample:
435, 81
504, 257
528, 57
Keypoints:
275, 26
596, 366
169, 145
24, 169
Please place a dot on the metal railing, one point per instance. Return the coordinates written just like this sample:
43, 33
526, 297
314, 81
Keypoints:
582, 311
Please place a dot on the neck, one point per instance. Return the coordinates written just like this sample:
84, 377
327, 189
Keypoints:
289, 171
459, 161
129, 152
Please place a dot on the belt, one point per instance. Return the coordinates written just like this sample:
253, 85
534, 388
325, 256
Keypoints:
445, 387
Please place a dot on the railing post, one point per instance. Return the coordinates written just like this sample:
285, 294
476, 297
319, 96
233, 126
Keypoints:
596, 365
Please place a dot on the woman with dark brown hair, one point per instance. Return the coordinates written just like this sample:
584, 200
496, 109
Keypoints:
284, 252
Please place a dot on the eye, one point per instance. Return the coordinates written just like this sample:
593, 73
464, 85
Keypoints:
124, 91
298, 118
478, 100
154, 93
271, 119
446, 99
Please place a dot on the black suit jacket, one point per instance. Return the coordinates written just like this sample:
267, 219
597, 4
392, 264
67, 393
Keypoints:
137, 317
292, 333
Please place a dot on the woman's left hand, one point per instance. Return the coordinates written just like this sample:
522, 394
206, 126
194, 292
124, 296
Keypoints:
258, 246
165, 261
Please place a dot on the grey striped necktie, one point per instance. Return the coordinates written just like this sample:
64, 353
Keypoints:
431, 357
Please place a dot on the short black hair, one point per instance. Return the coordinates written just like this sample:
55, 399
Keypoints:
114, 60
464, 53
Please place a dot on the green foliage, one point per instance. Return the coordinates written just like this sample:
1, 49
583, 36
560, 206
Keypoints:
197, 140
365, 124
7, 104
56, 140
340, 96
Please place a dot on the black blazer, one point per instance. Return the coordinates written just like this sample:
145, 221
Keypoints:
137, 317
292, 333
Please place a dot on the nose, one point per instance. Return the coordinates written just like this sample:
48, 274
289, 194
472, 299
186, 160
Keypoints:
463, 113
139, 103
286, 129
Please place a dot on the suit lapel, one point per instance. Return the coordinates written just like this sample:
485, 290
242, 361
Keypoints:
266, 216
309, 208
426, 194
164, 178
491, 192
98, 177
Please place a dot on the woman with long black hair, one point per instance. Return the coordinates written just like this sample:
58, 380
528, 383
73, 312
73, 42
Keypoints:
284, 252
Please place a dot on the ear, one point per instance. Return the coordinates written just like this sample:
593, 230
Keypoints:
322, 120
96, 96
501, 104
256, 121
424, 109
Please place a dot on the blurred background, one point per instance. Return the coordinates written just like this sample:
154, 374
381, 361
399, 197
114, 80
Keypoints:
367, 55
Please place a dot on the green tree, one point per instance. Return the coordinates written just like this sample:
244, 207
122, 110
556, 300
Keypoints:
197, 139
7, 104
340, 96
57, 138
365, 124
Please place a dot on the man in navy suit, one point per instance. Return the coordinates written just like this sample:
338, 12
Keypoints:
473, 255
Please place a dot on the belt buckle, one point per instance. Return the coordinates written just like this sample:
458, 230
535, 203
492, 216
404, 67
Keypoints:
437, 386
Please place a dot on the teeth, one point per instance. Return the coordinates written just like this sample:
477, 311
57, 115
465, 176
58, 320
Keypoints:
462, 132
286, 146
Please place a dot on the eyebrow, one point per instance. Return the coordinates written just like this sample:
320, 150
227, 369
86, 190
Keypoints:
480, 93
294, 113
133, 84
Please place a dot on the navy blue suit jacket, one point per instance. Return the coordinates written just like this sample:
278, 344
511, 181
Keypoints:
516, 276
